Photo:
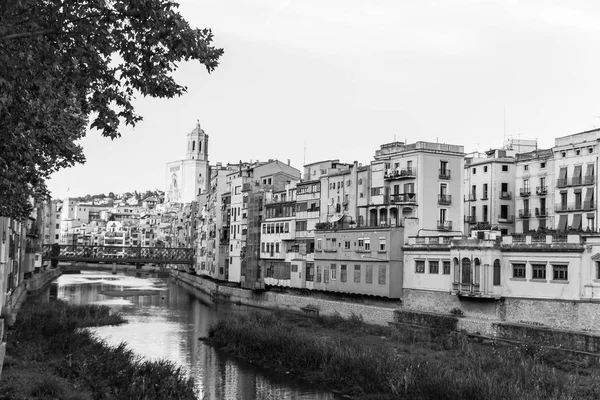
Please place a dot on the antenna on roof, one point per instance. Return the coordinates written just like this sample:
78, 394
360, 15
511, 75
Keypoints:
304, 163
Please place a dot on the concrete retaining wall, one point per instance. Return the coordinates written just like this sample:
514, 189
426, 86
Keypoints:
370, 314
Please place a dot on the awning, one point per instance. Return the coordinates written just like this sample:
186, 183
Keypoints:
335, 217
577, 172
596, 257
576, 221
563, 173
590, 216
589, 194
562, 223
590, 170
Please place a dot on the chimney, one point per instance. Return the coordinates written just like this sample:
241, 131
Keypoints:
288, 161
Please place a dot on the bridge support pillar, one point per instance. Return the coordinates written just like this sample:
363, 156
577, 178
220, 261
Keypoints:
114, 269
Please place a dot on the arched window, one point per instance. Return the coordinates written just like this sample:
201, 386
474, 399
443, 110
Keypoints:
200, 146
496, 272
456, 270
193, 145
466, 270
477, 268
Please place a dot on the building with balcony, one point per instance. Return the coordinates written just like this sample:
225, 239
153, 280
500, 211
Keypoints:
420, 180
534, 181
488, 182
575, 164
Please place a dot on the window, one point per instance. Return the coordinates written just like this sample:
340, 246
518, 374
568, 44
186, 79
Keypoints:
57, 226
518, 270
446, 266
276, 247
294, 267
539, 271
578, 152
474, 171
376, 191
325, 275
237, 190
526, 167
367, 244
485, 191
485, 213
434, 267
319, 244
563, 154
503, 211
343, 273
382, 244
420, 266
310, 271
347, 245
333, 272
287, 227
357, 274
369, 274
318, 274
262, 247
381, 277
542, 165
505, 168
560, 272
300, 226
361, 244
485, 168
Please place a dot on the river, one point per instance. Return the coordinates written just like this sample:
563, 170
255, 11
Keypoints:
169, 324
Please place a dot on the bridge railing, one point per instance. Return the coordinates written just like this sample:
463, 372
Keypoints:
119, 253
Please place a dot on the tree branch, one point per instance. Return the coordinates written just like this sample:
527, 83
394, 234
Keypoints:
13, 36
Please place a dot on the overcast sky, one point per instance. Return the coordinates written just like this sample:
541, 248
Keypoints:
343, 77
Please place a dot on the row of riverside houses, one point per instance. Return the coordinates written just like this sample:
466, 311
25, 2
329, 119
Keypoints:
494, 234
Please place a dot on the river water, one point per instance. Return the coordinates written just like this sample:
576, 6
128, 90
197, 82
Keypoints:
169, 324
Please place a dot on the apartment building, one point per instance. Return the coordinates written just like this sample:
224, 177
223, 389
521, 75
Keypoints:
575, 165
489, 187
420, 180
534, 183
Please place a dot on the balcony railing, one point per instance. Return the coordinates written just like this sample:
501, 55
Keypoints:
589, 179
564, 207
561, 183
505, 195
589, 205
444, 225
541, 190
444, 199
471, 197
541, 212
576, 181
525, 192
466, 288
484, 196
404, 198
471, 219
401, 173
524, 213
506, 218
444, 174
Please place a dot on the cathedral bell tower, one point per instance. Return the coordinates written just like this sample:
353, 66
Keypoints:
197, 144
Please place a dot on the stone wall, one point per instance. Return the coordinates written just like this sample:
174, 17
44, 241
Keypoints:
369, 313
444, 302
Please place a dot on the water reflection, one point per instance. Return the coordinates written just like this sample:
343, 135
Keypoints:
168, 325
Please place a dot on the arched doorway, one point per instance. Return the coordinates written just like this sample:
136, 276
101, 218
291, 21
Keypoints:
372, 217
466, 270
383, 217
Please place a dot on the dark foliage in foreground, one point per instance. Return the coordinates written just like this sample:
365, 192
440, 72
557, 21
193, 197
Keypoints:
70, 363
367, 370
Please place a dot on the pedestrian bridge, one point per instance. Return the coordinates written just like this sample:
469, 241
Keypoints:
118, 254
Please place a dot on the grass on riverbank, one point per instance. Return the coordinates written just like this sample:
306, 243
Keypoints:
49, 357
396, 363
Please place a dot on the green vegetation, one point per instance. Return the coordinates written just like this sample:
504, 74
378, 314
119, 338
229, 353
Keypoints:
50, 357
378, 362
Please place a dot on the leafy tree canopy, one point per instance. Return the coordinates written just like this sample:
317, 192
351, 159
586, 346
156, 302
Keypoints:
65, 64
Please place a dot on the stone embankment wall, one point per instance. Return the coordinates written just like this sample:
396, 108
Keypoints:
370, 314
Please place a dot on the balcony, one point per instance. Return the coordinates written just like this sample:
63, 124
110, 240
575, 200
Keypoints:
506, 218
541, 190
589, 180
525, 192
465, 288
471, 197
404, 198
400, 173
484, 196
470, 219
505, 195
444, 174
589, 205
444, 199
576, 181
561, 183
541, 212
444, 225
524, 213
565, 207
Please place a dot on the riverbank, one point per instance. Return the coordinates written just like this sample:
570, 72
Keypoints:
368, 362
51, 357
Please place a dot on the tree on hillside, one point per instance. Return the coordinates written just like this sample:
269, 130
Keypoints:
66, 63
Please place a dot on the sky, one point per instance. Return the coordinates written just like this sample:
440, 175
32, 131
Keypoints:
316, 80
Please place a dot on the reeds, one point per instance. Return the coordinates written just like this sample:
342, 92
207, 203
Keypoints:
378, 371
48, 336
